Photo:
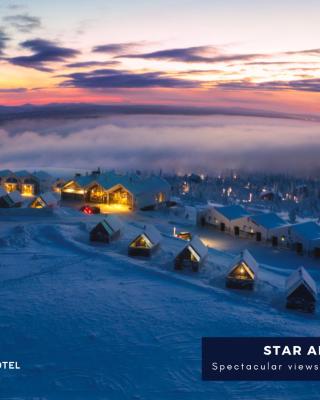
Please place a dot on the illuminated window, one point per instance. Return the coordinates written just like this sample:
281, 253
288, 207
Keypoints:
141, 242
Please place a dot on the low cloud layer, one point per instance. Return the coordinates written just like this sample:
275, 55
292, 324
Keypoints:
171, 143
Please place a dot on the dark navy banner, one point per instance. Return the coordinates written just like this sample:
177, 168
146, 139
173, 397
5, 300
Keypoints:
261, 358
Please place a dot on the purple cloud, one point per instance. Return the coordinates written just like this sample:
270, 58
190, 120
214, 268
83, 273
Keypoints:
44, 51
112, 78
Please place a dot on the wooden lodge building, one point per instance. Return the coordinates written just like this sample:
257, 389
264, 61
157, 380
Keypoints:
305, 238
23, 181
301, 291
107, 230
243, 272
231, 218
145, 243
192, 255
130, 190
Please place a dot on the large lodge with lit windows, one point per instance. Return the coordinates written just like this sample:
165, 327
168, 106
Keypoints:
23, 181
131, 191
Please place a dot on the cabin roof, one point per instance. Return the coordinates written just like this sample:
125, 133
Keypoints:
248, 259
5, 172
22, 173
298, 277
132, 182
268, 220
42, 174
113, 222
232, 212
2, 192
307, 230
152, 234
198, 246
48, 198
15, 197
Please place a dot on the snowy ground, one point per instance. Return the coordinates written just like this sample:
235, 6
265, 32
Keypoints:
85, 321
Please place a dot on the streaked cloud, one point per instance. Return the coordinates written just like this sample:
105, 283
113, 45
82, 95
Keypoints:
24, 23
4, 38
199, 54
114, 78
117, 48
43, 52
308, 85
88, 64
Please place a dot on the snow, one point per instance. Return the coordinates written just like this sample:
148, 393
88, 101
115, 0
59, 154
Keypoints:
298, 277
2, 192
152, 233
15, 197
268, 220
232, 212
114, 222
248, 259
308, 230
86, 321
199, 247
49, 199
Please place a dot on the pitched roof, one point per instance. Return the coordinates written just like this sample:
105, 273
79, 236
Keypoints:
15, 196
113, 222
2, 192
152, 234
5, 172
198, 246
248, 259
132, 182
268, 220
49, 198
22, 173
308, 230
298, 277
232, 212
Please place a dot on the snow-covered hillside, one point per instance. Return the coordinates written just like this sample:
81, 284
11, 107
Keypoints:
85, 321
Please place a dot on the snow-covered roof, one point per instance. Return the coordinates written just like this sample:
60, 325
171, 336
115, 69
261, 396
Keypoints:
15, 197
49, 198
22, 173
2, 192
134, 183
198, 246
248, 259
307, 230
298, 277
5, 172
113, 222
268, 220
152, 233
42, 175
232, 212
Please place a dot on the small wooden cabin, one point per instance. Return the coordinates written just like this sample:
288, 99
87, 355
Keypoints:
145, 243
11, 200
44, 200
243, 272
192, 255
106, 230
301, 291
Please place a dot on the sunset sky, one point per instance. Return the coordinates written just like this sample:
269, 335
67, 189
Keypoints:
234, 53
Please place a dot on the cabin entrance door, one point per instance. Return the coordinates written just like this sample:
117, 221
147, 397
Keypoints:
274, 241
